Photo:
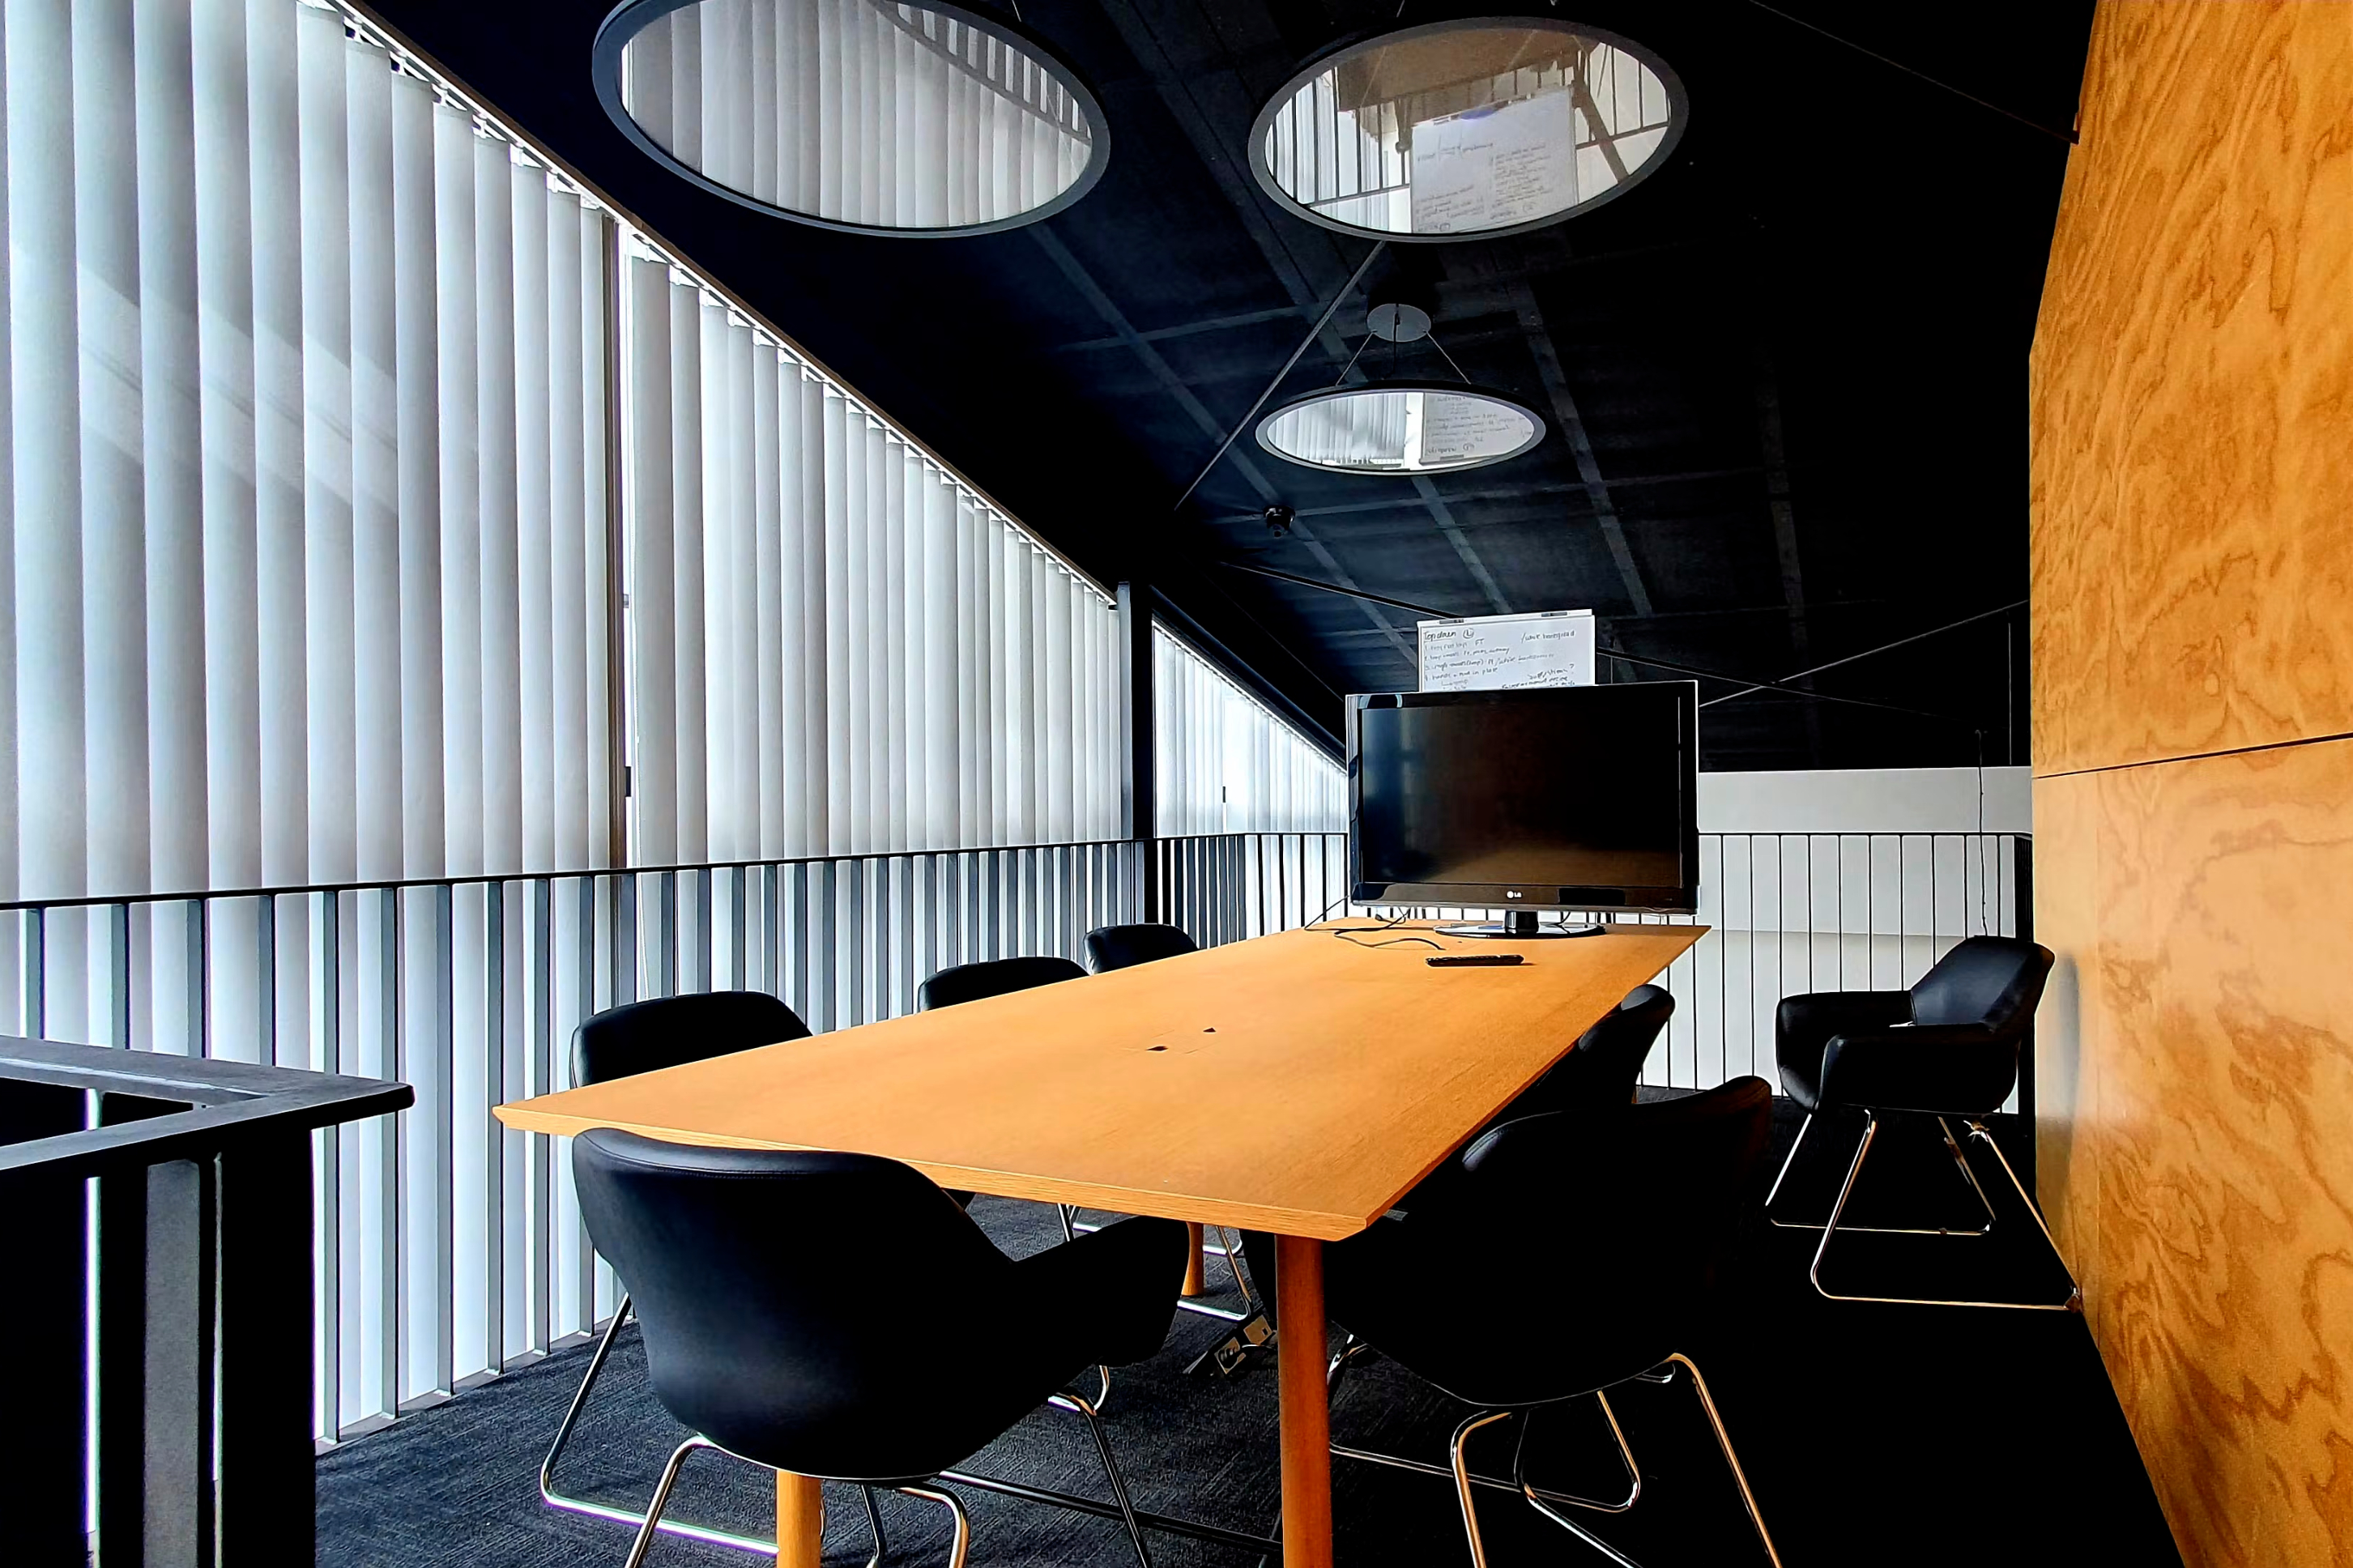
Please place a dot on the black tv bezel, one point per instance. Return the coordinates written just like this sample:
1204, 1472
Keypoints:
1680, 900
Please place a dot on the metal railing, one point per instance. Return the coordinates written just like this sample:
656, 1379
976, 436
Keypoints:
157, 1209
448, 1248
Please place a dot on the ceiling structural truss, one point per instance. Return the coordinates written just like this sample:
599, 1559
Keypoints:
1703, 501
1183, 89
1777, 497
1572, 429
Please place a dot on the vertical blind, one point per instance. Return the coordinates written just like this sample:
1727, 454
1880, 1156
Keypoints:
304, 452
307, 567
858, 111
839, 648
1227, 763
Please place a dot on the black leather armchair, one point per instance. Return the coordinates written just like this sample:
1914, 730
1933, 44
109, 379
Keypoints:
640, 1036
1581, 1253
1120, 947
993, 977
998, 976
1606, 1063
1948, 1048
935, 1350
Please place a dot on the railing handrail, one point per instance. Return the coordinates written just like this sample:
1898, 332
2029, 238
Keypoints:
485, 878
235, 1101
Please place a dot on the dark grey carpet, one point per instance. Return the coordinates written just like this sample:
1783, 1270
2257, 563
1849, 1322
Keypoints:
1872, 1434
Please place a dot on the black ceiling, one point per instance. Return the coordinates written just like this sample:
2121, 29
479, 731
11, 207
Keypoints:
1795, 357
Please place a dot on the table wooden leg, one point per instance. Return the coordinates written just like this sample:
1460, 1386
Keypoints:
1197, 1277
1306, 1408
800, 1519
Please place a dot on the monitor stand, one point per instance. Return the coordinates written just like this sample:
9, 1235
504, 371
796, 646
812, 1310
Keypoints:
1521, 925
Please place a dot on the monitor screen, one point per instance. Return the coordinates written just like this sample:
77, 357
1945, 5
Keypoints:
1566, 797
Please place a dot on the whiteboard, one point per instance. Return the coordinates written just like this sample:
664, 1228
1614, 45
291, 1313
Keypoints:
1491, 168
1508, 653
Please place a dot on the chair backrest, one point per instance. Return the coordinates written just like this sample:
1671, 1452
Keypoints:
1609, 1057
794, 1303
1119, 947
1641, 1203
1996, 981
993, 977
667, 1031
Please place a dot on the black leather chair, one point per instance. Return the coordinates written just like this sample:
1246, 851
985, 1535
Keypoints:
997, 976
640, 1037
1948, 1048
1581, 1253
1120, 947
914, 1344
993, 977
1606, 1063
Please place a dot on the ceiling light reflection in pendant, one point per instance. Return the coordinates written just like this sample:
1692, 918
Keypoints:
1476, 126
1400, 427
859, 115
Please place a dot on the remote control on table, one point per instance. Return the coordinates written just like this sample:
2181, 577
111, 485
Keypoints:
1472, 959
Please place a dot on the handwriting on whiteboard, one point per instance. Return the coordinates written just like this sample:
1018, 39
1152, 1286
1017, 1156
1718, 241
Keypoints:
1508, 653
1494, 166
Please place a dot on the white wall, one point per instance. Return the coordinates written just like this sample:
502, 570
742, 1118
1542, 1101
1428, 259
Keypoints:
1867, 800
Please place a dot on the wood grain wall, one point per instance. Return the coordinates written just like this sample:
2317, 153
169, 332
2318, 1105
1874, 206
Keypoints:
2192, 387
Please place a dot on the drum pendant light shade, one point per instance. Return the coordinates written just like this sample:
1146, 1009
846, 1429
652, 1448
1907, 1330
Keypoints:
1401, 428
1467, 128
857, 115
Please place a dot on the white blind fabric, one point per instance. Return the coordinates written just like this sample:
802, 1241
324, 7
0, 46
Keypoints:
301, 466
1226, 763
857, 111
839, 648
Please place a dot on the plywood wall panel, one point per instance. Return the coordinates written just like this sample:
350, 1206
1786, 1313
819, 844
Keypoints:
2197, 1059
2193, 385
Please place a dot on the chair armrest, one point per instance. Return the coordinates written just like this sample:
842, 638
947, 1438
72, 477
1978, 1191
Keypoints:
1815, 1016
1803, 1025
1959, 1070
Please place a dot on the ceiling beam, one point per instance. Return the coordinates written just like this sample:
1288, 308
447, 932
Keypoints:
1464, 300
1572, 430
1777, 495
1444, 515
1190, 329
1517, 492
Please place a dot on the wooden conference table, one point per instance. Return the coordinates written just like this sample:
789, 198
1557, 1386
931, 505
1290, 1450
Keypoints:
1297, 1084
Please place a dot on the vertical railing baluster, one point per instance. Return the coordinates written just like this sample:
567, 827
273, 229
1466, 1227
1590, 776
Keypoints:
495, 1091
539, 1078
328, 1184
601, 893
117, 932
264, 951
625, 885
393, 1216
705, 954
32, 972
442, 1092
200, 977
905, 873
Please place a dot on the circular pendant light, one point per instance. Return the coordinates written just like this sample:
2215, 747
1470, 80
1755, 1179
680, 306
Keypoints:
857, 115
1400, 427
1467, 128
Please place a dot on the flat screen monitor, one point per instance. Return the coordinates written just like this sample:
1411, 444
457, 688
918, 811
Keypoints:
1578, 798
